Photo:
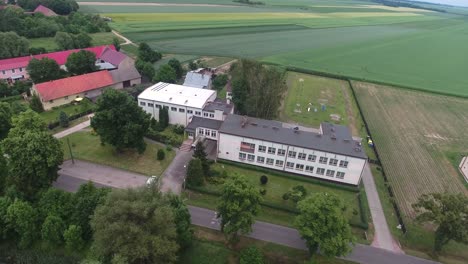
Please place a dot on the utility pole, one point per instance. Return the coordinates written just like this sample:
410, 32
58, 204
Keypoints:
71, 153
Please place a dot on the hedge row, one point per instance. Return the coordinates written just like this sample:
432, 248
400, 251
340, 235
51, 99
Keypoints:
159, 137
363, 212
11, 98
55, 124
291, 176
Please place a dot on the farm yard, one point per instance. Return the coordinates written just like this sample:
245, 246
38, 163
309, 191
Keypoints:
414, 133
351, 38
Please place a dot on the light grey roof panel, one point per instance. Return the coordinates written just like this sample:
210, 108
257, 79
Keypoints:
274, 131
197, 80
218, 104
203, 122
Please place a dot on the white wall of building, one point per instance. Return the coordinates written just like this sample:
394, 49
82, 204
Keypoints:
229, 149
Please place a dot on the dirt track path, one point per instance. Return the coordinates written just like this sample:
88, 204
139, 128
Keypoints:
127, 41
148, 4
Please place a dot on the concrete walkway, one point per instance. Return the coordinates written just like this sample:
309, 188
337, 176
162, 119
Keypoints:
74, 129
383, 238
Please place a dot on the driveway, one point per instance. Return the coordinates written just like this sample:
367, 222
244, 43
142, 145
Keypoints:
174, 175
82, 171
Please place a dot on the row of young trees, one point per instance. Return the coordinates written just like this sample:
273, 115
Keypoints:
39, 26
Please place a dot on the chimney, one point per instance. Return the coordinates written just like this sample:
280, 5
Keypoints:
244, 121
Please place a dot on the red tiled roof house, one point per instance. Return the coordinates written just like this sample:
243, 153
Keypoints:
64, 91
15, 68
44, 10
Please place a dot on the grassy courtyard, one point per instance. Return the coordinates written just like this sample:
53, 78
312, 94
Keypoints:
49, 44
275, 188
87, 146
53, 114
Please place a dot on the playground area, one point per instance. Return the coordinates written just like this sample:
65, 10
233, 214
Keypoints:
312, 99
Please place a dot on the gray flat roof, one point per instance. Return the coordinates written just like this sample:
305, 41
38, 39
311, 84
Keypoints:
203, 122
339, 143
218, 104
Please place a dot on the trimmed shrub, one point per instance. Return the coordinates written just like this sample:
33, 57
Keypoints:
263, 179
161, 154
251, 255
263, 191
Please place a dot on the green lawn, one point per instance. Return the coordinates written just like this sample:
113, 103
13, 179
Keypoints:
167, 57
50, 45
87, 146
214, 62
205, 252
307, 94
53, 114
130, 50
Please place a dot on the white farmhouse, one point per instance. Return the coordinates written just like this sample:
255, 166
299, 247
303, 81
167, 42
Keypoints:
183, 102
331, 154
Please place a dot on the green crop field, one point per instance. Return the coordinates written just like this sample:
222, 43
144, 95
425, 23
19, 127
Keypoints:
419, 137
402, 46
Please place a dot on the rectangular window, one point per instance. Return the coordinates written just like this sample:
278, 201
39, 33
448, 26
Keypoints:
340, 175
301, 156
333, 162
281, 152
261, 148
150, 105
201, 131
250, 157
142, 103
300, 167
309, 169
330, 173
3, 72
260, 159
323, 160
289, 165
205, 114
344, 163
21, 69
51, 101
271, 150
292, 154
174, 109
190, 112
311, 158
247, 147
279, 163
66, 97
212, 115
158, 106
12, 70
320, 171
242, 156
213, 133
270, 161
197, 113
181, 110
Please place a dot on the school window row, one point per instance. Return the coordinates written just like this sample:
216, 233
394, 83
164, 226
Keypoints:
207, 132
291, 165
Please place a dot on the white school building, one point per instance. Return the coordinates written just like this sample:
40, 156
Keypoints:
331, 153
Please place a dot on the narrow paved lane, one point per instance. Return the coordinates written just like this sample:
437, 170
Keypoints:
74, 129
383, 238
174, 175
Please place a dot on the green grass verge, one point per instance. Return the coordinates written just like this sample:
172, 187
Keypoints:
53, 114
87, 146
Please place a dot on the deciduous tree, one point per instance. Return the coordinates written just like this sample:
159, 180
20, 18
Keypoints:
116, 43
21, 218
220, 81
135, 226
36, 104
200, 154
34, 155
322, 224
175, 64
449, 213
73, 238
44, 70
119, 121
239, 204
165, 74
64, 41
63, 119
145, 53
82, 40
251, 255
12, 45
52, 230
183, 221
81, 62
163, 117
145, 68
5, 119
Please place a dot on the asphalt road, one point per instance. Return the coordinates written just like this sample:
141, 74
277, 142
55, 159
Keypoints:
69, 180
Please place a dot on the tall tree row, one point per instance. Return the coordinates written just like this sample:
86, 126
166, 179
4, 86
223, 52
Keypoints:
257, 89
